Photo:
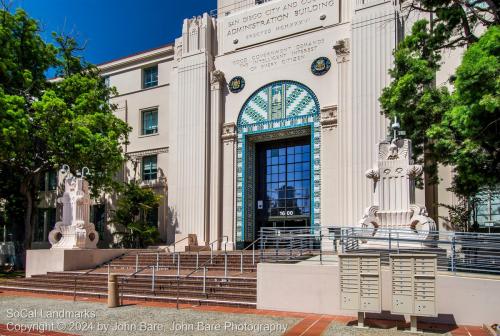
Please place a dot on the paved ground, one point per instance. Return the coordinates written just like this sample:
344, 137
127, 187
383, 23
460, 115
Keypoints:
43, 314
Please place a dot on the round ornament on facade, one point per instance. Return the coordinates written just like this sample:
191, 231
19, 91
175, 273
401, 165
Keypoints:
321, 66
237, 84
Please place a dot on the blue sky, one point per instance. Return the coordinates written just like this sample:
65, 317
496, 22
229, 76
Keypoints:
114, 28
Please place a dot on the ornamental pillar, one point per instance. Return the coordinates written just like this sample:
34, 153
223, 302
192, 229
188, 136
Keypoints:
215, 162
228, 137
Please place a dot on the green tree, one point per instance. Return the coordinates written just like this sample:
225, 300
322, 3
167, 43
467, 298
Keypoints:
133, 208
412, 96
468, 135
45, 124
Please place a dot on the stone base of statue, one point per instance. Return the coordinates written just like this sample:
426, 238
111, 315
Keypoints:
83, 236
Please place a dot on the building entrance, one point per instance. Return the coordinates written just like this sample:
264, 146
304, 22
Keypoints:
283, 183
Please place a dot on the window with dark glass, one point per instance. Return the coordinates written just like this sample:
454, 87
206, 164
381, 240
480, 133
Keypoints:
287, 184
52, 178
149, 168
150, 77
45, 222
98, 217
149, 121
152, 217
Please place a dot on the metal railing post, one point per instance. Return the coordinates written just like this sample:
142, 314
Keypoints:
178, 265
390, 240
108, 270
211, 254
342, 240
253, 254
197, 258
225, 265
153, 280
157, 260
397, 238
320, 247
453, 254
137, 262
204, 279
241, 262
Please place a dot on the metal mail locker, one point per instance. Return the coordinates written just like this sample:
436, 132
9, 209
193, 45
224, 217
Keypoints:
360, 287
414, 284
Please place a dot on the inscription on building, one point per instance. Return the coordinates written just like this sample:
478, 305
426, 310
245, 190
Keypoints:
273, 58
277, 19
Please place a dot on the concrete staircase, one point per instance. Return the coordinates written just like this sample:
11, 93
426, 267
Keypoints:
156, 279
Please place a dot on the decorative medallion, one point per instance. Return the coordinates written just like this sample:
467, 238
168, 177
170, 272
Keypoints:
320, 66
236, 84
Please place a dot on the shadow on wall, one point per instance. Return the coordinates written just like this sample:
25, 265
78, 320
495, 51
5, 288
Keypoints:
172, 225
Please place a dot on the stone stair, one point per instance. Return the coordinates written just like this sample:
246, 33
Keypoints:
237, 289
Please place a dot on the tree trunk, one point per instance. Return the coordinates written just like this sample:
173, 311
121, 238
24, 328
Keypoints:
29, 196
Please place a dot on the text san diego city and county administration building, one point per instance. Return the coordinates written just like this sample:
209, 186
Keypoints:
263, 114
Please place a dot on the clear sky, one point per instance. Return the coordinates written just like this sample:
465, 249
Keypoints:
115, 28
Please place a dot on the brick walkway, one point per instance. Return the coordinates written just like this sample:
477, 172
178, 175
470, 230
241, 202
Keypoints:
309, 325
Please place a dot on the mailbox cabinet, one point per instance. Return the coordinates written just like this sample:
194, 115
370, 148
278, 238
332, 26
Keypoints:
414, 284
360, 287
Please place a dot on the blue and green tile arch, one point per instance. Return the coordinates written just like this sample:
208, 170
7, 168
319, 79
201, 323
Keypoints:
299, 108
278, 100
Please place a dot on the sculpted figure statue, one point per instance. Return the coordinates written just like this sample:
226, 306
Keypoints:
74, 231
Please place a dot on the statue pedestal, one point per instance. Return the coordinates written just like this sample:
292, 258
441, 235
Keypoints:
59, 260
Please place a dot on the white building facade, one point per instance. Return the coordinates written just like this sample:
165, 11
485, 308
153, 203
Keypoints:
266, 115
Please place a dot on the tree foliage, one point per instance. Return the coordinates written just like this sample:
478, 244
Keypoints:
458, 128
134, 205
468, 136
47, 123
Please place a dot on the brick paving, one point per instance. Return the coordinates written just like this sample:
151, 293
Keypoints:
305, 325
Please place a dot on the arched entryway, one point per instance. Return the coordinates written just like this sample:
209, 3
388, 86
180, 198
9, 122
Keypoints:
278, 160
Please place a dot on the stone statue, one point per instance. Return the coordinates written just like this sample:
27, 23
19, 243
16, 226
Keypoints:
74, 231
394, 193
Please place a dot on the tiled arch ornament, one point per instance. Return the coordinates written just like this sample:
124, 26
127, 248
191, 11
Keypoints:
74, 231
394, 194
278, 110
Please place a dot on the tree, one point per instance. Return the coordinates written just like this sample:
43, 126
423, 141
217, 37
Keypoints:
456, 21
412, 95
45, 124
468, 136
134, 206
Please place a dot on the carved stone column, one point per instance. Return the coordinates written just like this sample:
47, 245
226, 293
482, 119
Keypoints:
217, 82
228, 137
344, 119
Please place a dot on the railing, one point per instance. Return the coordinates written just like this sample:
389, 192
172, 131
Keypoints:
97, 267
252, 245
456, 251
204, 266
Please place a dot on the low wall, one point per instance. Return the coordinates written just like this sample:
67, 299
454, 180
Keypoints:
315, 289
58, 260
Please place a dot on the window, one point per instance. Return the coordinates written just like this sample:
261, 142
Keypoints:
107, 81
46, 220
149, 168
52, 180
488, 210
149, 121
98, 217
150, 77
152, 217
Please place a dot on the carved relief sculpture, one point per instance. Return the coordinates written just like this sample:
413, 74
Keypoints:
74, 231
394, 194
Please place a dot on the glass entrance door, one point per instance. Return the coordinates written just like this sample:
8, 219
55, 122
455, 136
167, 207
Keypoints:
283, 191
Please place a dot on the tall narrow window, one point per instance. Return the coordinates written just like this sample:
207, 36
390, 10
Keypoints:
149, 121
52, 180
150, 77
149, 168
98, 217
152, 217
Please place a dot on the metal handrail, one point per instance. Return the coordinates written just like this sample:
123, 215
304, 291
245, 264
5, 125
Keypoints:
137, 271
253, 253
215, 241
196, 270
96, 267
